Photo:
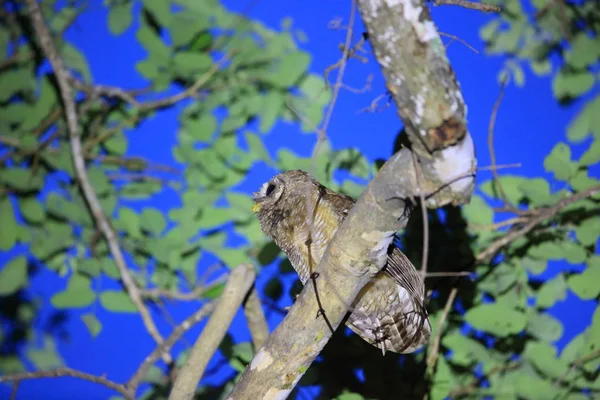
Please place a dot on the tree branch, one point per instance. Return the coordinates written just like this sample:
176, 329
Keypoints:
538, 216
259, 331
239, 282
419, 77
61, 372
62, 78
411, 54
165, 346
468, 4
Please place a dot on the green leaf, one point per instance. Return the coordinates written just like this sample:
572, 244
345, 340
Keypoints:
120, 17
551, 292
559, 162
128, 221
537, 191
77, 294
99, 181
256, 147
544, 327
202, 128
573, 252
530, 386
158, 50
510, 185
585, 285
9, 225
543, 357
584, 51
45, 358
587, 120
576, 84
21, 179
32, 210
289, 70
116, 144
117, 301
160, 9
188, 62
496, 319
591, 155
489, 30
153, 221
478, 211
534, 265
547, 251
16, 81
214, 217
74, 59
501, 278
272, 104
92, 323
13, 276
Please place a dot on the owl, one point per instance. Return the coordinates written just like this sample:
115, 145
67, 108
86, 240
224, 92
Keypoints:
388, 312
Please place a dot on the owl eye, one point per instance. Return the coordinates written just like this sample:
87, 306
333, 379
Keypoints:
270, 189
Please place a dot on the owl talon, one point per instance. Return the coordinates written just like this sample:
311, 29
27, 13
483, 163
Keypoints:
314, 275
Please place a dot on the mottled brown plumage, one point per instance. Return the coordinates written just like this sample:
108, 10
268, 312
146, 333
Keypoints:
388, 312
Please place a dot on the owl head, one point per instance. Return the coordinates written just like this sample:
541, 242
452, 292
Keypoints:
282, 196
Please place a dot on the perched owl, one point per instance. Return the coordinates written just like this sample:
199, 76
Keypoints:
388, 312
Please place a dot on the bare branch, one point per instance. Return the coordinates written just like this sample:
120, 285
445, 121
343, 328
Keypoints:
424, 216
62, 372
538, 216
239, 282
62, 78
435, 344
195, 294
257, 323
165, 347
468, 4
453, 37
189, 92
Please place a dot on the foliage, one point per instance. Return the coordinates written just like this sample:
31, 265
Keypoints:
500, 342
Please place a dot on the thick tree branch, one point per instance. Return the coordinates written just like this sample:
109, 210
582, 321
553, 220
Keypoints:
239, 282
413, 59
61, 372
469, 4
62, 78
411, 54
259, 331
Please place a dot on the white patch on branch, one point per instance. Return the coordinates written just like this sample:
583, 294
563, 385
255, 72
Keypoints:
457, 162
261, 360
276, 394
381, 241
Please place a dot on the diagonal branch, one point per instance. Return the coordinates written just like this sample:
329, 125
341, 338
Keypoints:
61, 372
256, 319
469, 4
165, 346
239, 282
62, 78
537, 217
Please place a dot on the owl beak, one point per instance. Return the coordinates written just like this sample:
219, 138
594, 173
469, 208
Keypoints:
255, 208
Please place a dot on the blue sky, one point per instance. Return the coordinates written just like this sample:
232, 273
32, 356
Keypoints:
529, 124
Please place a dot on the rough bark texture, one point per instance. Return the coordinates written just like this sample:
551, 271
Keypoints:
418, 75
411, 54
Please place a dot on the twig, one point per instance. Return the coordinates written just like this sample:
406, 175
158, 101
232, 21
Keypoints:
443, 274
152, 105
340, 75
165, 346
62, 372
458, 40
468, 4
237, 286
257, 324
15, 389
539, 215
497, 167
490, 142
62, 78
195, 294
435, 344
425, 255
